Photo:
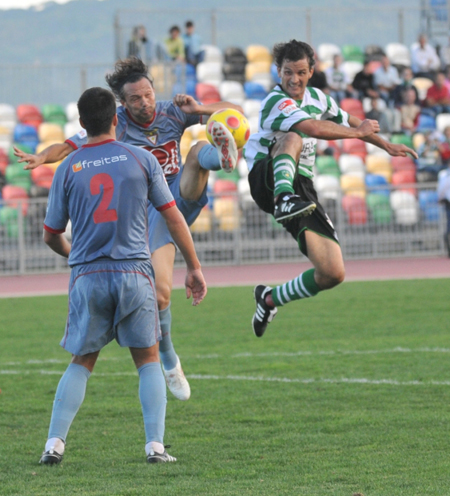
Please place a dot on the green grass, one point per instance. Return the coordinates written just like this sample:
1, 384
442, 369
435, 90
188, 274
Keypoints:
283, 414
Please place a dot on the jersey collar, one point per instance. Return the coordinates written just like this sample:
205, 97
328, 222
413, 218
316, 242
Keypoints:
90, 145
138, 123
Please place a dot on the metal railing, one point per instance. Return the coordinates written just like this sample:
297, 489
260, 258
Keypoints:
234, 231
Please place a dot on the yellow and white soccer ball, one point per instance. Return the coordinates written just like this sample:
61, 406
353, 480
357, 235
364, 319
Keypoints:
236, 123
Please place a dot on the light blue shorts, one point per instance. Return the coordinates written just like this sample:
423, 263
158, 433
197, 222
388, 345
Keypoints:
157, 229
111, 300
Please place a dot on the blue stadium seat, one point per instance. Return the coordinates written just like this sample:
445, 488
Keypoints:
254, 90
274, 73
26, 135
426, 123
374, 181
428, 202
190, 87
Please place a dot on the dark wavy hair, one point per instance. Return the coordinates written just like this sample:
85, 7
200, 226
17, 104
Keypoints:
97, 107
129, 70
293, 50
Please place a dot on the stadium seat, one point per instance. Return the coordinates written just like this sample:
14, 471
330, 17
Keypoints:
49, 131
224, 188
404, 177
207, 71
11, 157
442, 121
422, 84
185, 144
403, 139
29, 114
353, 107
212, 53
255, 69
42, 176
251, 107
242, 168
374, 65
274, 73
203, 222
326, 51
26, 134
403, 163
367, 104
373, 53
234, 55
326, 164
352, 53
351, 164
265, 80
232, 91
254, 91
72, 111
374, 184
8, 118
425, 123
207, 93
354, 147
426, 176
418, 139
3, 161
234, 71
429, 205
9, 220
54, 113
356, 209
405, 207
351, 68
72, 128
352, 186
379, 208
13, 196
258, 53
327, 186
16, 175
398, 54
5, 142
244, 190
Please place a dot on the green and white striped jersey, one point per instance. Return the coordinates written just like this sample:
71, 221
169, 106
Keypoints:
279, 112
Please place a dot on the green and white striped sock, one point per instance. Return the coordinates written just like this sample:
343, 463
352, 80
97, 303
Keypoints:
303, 286
284, 167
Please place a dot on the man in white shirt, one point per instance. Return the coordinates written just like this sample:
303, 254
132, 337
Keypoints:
386, 79
424, 59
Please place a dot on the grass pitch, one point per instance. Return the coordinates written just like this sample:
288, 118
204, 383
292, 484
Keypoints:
346, 393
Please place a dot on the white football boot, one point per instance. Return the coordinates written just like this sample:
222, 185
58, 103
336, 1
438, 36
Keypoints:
177, 382
225, 145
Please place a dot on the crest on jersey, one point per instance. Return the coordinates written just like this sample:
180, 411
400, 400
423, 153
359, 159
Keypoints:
151, 135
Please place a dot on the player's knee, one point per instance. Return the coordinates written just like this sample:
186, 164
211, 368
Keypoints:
192, 156
163, 296
291, 143
331, 278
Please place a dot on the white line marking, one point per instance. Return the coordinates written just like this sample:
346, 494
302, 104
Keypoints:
342, 380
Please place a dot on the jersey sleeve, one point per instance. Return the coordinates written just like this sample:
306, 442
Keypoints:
158, 190
334, 113
57, 215
78, 140
280, 113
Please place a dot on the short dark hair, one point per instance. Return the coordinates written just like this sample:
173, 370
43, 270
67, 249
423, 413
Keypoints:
174, 28
97, 108
293, 50
129, 70
189, 24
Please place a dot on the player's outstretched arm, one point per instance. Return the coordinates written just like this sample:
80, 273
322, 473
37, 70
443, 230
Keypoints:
194, 282
328, 130
189, 105
394, 149
58, 243
54, 153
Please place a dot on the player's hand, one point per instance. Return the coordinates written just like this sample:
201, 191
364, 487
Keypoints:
186, 103
32, 161
368, 127
195, 286
400, 150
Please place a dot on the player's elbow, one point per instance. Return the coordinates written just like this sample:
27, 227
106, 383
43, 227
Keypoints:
312, 128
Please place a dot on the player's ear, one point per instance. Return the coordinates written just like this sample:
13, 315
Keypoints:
115, 120
81, 123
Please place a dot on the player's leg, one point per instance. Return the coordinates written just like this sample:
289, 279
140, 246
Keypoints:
68, 399
285, 154
152, 395
163, 260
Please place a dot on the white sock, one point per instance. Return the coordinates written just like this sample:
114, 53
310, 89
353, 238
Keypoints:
155, 447
56, 444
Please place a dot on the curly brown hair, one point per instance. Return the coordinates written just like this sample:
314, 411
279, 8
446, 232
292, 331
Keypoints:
293, 50
129, 70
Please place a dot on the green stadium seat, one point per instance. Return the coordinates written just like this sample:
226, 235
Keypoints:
25, 148
229, 176
326, 164
16, 175
380, 208
352, 53
54, 113
402, 139
9, 219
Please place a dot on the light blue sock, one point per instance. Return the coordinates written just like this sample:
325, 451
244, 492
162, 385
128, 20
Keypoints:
208, 158
152, 393
166, 350
68, 399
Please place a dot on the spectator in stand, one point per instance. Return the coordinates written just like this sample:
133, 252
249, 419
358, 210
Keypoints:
430, 152
443, 190
437, 100
318, 79
424, 59
192, 45
174, 45
409, 111
445, 147
378, 115
338, 81
364, 84
386, 79
405, 85
138, 45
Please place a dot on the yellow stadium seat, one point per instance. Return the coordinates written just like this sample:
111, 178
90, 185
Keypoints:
43, 146
223, 207
229, 223
49, 131
258, 53
201, 134
353, 185
422, 84
254, 68
203, 222
376, 163
185, 144
418, 139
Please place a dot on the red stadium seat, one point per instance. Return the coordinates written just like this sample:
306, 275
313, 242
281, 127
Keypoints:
223, 186
29, 114
403, 163
13, 195
356, 209
405, 177
207, 93
3, 161
42, 176
354, 147
353, 107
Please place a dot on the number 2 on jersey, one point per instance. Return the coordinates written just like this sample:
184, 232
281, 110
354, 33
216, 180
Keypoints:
102, 212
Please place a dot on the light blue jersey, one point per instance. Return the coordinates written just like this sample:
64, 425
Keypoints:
104, 189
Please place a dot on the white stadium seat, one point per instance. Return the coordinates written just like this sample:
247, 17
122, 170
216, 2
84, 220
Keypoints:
403, 200
398, 54
72, 111
327, 186
251, 107
442, 121
207, 71
326, 51
212, 53
231, 90
351, 68
351, 163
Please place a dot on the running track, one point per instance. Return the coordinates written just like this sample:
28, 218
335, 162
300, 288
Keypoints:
249, 275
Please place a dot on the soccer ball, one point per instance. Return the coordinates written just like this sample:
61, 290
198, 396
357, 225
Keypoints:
236, 123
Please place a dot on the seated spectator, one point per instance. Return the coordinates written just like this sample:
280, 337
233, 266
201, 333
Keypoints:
424, 59
364, 84
378, 115
318, 79
437, 100
405, 84
409, 111
429, 152
445, 147
192, 45
386, 79
337, 79
174, 45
